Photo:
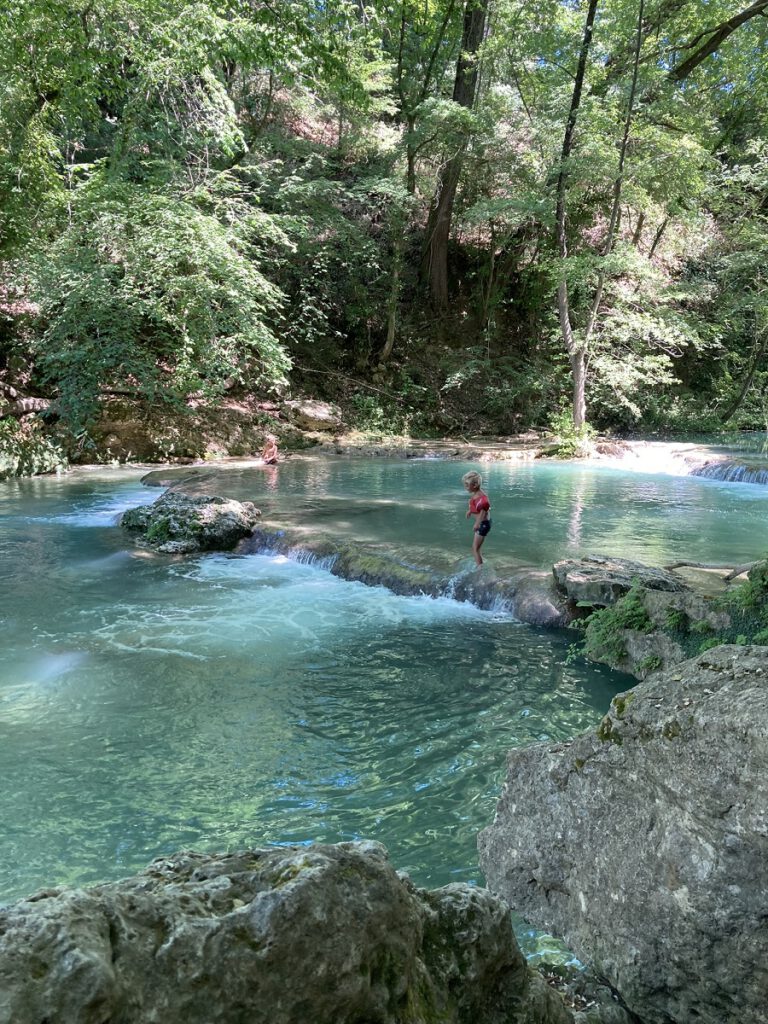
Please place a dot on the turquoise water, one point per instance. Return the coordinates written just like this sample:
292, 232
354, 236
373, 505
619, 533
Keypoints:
541, 511
149, 704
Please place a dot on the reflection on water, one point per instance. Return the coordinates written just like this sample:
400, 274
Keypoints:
541, 512
147, 704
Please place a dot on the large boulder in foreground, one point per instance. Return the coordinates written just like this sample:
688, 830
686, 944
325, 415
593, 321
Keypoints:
645, 844
179, 523
325, 934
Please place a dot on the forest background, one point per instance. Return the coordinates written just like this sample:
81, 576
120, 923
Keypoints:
446, 215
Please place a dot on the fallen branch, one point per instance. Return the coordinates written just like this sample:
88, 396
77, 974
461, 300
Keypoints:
733, 571
738, 571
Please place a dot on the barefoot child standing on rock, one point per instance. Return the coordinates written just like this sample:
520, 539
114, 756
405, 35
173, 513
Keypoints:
480, 508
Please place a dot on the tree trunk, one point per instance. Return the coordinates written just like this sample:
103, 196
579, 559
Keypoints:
439, 232
435, 263
637, 234
757, 357
410, 155
658, 237
579, 371
394, 299
575, 351
613, 224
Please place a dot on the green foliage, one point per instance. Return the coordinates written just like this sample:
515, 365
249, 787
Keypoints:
650, 664
709, 643
603, 637
396, 411
151, 292
700, 626
25, 450
677, 621
572, 442
199, 189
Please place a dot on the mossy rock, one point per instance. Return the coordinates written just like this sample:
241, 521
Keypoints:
180, 524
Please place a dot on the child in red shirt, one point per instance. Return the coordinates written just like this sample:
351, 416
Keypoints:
479, 507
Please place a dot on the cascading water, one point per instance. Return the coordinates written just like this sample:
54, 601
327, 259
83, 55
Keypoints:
733, 472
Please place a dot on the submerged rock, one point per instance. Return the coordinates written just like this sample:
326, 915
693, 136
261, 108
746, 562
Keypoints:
325, 934
178, 523
645, 844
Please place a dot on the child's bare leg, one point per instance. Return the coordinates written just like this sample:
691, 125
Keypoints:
477, 543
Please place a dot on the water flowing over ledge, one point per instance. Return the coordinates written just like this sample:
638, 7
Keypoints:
726, 462
733, 472
355, 562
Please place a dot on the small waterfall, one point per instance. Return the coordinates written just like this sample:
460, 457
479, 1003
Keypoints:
733, 472
490, 595
467, 586
299, 555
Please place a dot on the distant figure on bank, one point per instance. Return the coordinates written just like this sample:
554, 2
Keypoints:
269, 454
480, 508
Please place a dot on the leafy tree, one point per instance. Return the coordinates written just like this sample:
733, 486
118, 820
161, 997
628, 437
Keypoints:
150, 294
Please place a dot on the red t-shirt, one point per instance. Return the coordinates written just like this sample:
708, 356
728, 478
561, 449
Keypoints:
479, 504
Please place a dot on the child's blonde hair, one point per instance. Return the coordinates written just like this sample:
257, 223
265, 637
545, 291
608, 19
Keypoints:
472, 479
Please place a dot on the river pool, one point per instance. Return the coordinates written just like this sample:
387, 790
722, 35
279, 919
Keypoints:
149, 704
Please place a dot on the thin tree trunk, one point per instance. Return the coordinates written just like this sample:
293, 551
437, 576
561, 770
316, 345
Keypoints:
410, 156
617, 185
658, 237
637, 234
578, 362
394, 298
435, 264
491, 275
757, 355
572, 346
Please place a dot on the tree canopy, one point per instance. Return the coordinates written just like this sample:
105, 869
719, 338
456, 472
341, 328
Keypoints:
493, 213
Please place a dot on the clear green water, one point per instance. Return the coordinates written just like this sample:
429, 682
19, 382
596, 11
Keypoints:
149, 704
541, 511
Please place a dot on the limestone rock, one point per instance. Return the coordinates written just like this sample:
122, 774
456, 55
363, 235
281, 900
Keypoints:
537, 601
179, 523
325, 934
645, 844
311, 415
599, 581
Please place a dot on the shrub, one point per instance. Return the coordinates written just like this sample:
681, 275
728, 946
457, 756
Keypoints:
604, 628
154, 293
572, 442
26, 451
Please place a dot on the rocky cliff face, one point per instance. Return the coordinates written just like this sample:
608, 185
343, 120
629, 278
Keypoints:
326, 934
645, 843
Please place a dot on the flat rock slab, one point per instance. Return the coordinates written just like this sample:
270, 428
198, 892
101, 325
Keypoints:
645, 844
300, 935
598, 580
